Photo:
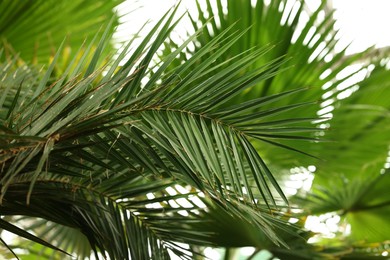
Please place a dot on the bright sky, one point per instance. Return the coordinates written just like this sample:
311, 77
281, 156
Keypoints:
362, 22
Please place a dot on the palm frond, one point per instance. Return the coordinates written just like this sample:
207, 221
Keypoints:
349, 188
146, 159
97, 146
303, 46
34, 30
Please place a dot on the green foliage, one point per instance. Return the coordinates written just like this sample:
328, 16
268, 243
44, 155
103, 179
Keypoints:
142, 159
33, 30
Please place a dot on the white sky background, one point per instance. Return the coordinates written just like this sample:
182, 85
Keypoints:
362, 22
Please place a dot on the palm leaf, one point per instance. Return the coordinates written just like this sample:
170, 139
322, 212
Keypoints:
120, 158
300, 48
34, 30
353, 188
97, 146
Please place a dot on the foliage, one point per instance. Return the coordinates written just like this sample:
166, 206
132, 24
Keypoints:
134, 158
33, 30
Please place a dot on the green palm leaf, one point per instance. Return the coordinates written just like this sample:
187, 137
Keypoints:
356, 189
96, 146
146, 159
34, 30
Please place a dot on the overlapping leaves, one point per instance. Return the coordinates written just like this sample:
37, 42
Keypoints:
86, 150
102, 154
33, 30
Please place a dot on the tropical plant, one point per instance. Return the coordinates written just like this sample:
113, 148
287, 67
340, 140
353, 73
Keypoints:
172, 147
